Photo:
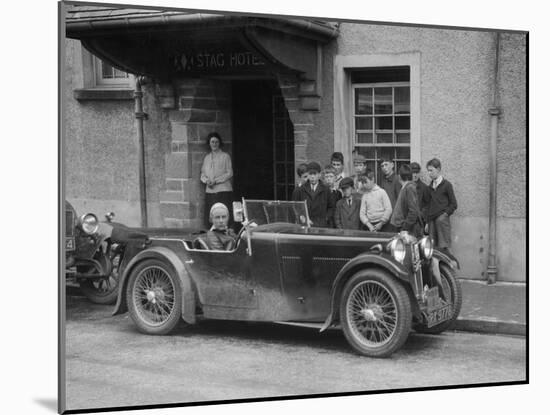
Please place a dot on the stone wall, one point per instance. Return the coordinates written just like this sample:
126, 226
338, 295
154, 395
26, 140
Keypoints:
203, 106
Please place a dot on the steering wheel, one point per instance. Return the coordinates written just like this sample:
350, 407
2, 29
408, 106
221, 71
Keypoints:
243, 229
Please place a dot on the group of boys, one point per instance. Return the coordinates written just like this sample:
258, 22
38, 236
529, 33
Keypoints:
402, 202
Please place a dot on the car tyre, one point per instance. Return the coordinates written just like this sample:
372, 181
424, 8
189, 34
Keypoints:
451, 287
154, 297
101, 291
375, 313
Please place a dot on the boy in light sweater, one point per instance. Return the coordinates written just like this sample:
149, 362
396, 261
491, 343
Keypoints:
376, 210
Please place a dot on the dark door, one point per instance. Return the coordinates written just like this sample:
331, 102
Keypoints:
260, 133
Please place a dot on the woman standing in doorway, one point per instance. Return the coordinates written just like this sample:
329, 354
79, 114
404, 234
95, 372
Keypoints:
216, 174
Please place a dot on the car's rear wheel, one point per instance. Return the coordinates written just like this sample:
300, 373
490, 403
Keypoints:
154, 297
452, 291
375, 313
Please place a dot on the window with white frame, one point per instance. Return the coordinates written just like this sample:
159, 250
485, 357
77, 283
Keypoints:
107, 76
381, 119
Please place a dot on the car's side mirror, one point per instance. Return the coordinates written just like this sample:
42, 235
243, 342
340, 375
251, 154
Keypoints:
238, 212
109, 216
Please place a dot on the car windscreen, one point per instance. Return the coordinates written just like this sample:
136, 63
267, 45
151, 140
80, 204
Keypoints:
270, 211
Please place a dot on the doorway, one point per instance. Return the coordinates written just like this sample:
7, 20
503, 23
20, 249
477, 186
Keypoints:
263, 141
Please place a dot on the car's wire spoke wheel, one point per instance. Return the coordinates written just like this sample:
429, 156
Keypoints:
154, 297
102, 290
375, 313
372, 313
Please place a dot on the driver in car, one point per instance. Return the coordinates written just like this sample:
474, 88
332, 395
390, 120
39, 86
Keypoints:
220, 237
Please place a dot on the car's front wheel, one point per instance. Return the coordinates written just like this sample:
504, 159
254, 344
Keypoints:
153, 295
375, 313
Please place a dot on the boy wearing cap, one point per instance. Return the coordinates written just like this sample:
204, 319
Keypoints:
376, 210
390, 183
329, 174
346, 214
422, 191
320, 204
442, 205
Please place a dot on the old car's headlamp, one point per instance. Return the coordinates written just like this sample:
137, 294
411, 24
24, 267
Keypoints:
426, 247
89, 223
397, 249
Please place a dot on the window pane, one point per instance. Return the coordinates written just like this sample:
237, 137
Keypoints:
363, 123
368, 152
402, 123
402, 138
371, 165
364, 138
385, 138
386, 153
403, 153
363, 100
106, 70
383, 100
402, 100
384, 123
120, 74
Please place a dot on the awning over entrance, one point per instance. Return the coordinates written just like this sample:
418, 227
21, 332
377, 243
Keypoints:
167, 44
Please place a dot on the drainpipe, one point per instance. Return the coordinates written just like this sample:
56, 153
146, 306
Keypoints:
494, 111
140, 116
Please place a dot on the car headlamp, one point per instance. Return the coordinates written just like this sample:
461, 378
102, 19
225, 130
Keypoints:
397, 249
89, 223
426, 247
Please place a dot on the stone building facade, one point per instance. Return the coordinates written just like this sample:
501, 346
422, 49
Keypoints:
300, 106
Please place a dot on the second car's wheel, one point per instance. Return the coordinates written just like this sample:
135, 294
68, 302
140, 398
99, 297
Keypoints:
375, 313
101, 291
154, 297
453, 292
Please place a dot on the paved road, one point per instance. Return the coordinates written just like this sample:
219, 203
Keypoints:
110, 364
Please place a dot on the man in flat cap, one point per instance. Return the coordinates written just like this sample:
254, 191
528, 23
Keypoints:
320, 203
390, 182
346, 215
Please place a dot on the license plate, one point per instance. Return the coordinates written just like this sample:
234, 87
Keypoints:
69, 244
442, 314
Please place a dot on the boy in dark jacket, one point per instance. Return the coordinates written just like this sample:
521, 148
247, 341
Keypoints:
422, 191
442, 205
406, 215
346, 215
320, 203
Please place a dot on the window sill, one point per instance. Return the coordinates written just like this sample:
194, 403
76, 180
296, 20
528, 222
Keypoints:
89, 94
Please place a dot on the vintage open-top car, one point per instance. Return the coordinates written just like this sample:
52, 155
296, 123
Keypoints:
93, 251
376, 286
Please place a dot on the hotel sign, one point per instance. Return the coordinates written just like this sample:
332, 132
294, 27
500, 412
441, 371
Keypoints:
215, 61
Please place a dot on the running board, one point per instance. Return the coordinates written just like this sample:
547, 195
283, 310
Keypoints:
317, 326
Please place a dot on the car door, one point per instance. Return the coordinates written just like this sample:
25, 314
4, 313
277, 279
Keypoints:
223, 280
